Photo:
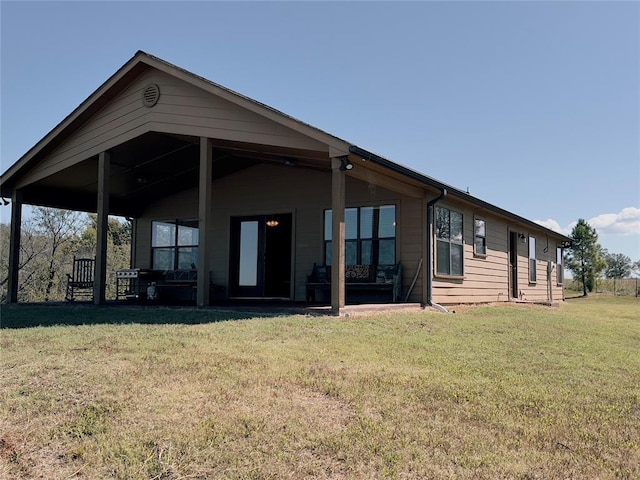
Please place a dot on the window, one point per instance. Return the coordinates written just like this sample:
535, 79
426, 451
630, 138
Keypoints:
449, 242
480, 237
174, 245
532, 260
560, 265
370, 235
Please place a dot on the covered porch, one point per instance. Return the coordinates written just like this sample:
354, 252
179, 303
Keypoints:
222, 186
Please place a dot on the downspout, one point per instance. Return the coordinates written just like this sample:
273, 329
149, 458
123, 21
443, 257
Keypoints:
430, 206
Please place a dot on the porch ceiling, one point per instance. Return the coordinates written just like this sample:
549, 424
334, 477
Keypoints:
153, 166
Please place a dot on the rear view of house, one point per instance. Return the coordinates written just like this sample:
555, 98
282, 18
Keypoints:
233, 199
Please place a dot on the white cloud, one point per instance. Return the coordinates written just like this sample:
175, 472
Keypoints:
626, 222
551, 224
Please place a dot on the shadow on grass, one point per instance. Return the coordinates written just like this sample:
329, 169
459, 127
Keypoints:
29, 316
575, 297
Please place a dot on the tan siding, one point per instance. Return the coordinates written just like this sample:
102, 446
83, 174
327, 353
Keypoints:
268, 189
486, 279
182, 109
410, 241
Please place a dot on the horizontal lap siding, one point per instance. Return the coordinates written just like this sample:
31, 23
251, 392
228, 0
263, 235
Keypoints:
267, 189
486, 279
539, 291
181, 109
410, 238
264, 190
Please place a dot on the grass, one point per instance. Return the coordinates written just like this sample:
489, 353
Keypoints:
522, 392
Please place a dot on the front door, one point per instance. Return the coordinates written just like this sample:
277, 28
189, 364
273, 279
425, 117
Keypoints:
513, 264
260, 265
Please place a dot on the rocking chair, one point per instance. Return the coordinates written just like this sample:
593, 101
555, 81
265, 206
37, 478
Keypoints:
80, 281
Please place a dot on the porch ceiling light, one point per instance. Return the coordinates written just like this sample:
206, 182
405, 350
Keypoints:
272, 222
288, 162
345, 164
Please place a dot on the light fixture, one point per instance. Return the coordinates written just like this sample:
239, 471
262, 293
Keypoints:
289, 162
345, 164
272, 222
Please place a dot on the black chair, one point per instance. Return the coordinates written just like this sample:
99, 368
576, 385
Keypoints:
80, 281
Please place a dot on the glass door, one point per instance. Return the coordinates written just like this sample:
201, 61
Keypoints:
260, 265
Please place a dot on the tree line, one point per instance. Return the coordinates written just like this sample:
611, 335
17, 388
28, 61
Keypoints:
50, 239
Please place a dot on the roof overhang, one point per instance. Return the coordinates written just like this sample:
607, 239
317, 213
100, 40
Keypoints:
460, 194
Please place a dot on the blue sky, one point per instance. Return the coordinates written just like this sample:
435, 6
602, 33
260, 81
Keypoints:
532, 106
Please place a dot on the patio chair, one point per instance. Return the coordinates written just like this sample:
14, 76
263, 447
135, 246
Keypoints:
80, 281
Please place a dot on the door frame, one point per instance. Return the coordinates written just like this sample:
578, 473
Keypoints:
512, 258
234, 255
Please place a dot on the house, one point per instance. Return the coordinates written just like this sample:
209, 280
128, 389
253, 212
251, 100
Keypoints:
250, 201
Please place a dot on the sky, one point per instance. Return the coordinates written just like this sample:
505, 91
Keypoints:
531, 106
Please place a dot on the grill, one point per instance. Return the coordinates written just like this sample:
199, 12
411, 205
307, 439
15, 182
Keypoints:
132, 283
128, 273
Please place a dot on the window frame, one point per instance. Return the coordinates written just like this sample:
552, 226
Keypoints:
450, 242
476, 236
176, 244
533, 260
356, 242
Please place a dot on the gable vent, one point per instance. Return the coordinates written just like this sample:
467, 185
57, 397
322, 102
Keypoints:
150, 95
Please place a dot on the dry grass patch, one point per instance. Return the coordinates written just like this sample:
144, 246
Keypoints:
490, 392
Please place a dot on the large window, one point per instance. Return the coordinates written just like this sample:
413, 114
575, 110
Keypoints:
480, 237
370, 235
174, 245
560, 265
449, 242
532, 260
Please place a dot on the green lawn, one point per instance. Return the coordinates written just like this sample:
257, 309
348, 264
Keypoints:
510, 391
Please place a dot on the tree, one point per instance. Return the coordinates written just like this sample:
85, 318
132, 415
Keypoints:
618, 265
61, 229
583, 257
49, 239
636, 268
31, 250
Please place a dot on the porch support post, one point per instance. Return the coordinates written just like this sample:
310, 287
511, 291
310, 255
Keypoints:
337, 239
426, 253
100, 281
14, 246
205, 224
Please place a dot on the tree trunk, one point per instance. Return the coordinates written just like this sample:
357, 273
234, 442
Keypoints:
52, 274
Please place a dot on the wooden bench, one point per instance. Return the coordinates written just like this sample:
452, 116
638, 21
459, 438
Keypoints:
181, 287
178, 286
363, 283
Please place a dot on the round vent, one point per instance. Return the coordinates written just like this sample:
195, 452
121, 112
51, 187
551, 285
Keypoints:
150, 95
